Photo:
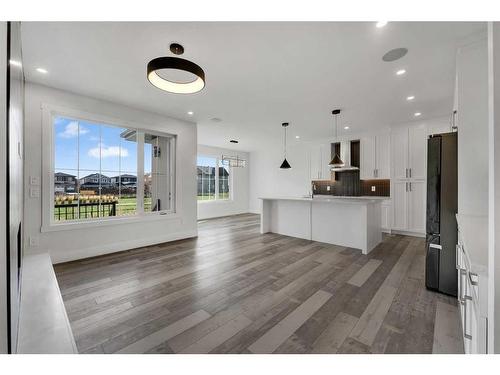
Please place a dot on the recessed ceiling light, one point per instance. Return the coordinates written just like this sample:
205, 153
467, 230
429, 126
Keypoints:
42, 70
216, 119
411, 97
417, 114
297, 137
15, 62
381, 24
233, 141
346, 127
400, 72
190, 113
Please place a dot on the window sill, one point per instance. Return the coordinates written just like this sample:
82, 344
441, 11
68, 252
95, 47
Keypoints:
105, 222
215, 201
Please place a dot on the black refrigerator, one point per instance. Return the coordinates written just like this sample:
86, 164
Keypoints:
441, 224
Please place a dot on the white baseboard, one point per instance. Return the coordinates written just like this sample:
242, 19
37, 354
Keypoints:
406, 233
61, 257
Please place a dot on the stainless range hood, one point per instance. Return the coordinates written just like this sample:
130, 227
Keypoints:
345, 155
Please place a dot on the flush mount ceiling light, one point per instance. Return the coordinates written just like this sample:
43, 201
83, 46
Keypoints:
175, 63
285, 164
394, 54
380, 24
336, 161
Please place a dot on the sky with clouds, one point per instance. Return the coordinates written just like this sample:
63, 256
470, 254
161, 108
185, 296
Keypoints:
93, 148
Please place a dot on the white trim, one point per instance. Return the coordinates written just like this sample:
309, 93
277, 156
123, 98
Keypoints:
218, 160
49, 112
119, 246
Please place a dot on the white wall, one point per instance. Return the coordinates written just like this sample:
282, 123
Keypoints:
65, 245
240, 183
472, 120
494, 188
267, 179
3, 193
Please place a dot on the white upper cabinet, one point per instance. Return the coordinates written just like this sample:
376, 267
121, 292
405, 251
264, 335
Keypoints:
409, 152
375, 157
367, 158
319, 159
383, 156
326, 158
399, 153
417, 152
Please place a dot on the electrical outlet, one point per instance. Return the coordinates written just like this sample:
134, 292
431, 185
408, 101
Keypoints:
328, 188
34, 241
373, 188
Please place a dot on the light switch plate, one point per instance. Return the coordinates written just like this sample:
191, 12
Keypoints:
34, 180
328, 188
34, 192
373, 188
34, 241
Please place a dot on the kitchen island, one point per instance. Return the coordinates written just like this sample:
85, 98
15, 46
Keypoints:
344, 221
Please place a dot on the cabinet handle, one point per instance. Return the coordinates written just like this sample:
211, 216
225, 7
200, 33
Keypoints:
406, 185
410, 186
473, 282
410, 172
406, 172
461, 298
466, 335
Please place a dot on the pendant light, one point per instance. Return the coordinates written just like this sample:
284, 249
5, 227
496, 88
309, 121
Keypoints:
336, 161
175, 63
285, 164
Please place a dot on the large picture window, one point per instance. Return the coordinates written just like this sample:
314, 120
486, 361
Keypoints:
213, 179
98, 171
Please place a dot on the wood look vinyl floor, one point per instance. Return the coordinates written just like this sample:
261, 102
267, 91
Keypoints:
233, 290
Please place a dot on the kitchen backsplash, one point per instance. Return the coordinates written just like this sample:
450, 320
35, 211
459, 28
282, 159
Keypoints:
349, 184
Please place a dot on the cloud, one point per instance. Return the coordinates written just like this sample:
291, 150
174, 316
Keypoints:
71, 130
104, 151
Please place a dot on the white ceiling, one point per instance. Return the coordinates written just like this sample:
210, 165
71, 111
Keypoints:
258, 74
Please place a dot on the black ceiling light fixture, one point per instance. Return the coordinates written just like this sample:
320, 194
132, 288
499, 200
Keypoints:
336, 161
175, 63
285, 164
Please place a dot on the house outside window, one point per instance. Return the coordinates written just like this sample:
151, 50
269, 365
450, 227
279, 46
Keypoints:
213, 179
96, 167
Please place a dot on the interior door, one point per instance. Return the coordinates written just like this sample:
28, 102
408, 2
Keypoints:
383, 156
399, 205
399, 153
417, 151
416, 206
367, 167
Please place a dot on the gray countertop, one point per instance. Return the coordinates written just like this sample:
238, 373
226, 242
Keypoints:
330, 199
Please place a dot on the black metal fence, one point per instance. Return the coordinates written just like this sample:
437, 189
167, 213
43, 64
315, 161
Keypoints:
74, 211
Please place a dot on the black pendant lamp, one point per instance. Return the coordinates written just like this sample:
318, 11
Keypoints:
175, 63
336, 161
285, 164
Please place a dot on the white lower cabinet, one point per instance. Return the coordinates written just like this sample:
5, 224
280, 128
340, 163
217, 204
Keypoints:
386, 215
472, 301
408, 206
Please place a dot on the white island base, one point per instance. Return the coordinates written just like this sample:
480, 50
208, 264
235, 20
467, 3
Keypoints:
345, 221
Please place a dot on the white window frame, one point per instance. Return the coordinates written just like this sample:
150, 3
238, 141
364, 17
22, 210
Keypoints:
49, 113
217, 199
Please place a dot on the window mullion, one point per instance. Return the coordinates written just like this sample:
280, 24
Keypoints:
140, 173
216, 178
